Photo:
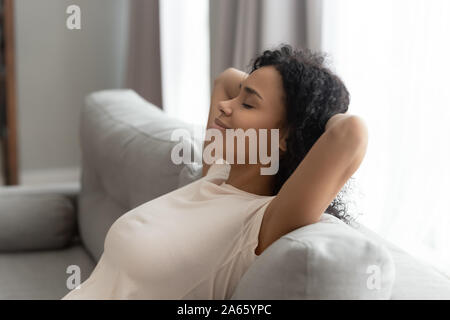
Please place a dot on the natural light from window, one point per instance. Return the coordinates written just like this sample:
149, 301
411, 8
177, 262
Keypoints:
185, 59
394, 57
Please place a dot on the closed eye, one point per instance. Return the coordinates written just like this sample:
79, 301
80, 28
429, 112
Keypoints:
247, 106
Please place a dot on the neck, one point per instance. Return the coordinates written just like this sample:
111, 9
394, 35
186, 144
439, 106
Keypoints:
248, 178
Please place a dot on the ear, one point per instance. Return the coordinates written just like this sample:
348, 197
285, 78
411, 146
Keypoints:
283, 137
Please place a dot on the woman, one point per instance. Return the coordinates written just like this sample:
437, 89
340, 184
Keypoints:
196, 242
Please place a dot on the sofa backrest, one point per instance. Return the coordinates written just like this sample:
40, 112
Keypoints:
126, 160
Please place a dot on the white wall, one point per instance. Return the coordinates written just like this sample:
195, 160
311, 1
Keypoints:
56, 68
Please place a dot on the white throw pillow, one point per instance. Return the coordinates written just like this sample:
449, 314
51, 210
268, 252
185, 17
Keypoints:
324, 260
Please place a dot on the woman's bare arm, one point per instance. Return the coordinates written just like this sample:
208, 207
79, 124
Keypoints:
336, 119
316, 181
231, 79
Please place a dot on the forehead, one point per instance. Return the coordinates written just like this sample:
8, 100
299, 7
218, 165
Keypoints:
269, 84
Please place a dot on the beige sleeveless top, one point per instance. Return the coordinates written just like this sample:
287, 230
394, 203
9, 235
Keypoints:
195, 242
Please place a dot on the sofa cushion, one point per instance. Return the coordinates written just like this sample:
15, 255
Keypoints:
126, 146
415, 279
324, 260
189, 174
41, 274
35, 221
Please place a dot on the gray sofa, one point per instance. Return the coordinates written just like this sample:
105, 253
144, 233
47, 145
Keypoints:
126, 162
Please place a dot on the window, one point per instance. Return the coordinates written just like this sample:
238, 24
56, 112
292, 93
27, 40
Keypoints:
185, 59
394, 58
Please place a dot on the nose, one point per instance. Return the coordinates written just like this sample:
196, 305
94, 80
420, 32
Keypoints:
225, 107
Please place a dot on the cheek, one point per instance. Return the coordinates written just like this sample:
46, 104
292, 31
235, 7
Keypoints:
246, 120
265, 143
270, 140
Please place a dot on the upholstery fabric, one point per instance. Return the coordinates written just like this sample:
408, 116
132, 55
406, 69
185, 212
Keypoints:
35, 221
414, 279
324, 260
126, 160
41, 275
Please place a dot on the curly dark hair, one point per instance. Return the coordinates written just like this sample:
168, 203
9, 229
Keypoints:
312, 95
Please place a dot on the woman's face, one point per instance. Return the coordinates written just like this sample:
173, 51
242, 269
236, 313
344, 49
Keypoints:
259, 105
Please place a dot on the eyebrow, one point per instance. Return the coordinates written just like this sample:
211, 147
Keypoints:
251, 91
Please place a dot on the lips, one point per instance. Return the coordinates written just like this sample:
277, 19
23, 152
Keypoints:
220, 124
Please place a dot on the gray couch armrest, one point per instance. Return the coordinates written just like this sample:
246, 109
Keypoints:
37, 217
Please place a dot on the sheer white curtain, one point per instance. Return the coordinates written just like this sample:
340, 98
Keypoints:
185, 59
394, 57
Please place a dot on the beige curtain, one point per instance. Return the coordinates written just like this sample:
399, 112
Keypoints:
144, 60
241, 29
